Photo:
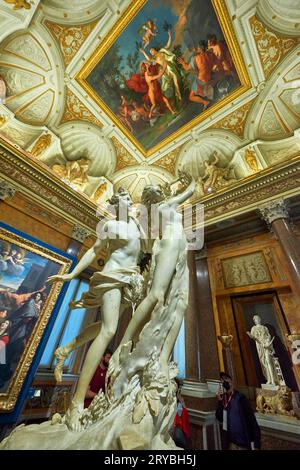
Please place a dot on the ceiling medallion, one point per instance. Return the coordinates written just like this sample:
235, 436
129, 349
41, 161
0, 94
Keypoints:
161, 71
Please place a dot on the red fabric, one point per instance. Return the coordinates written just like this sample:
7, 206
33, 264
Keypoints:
204, 63
97, 383
5, 339
183, 422
137, 83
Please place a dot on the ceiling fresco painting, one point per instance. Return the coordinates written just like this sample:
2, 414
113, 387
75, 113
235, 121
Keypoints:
163, 69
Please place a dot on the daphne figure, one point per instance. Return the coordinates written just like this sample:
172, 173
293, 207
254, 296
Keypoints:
167, 251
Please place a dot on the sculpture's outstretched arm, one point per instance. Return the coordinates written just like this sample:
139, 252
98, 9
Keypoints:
88, 258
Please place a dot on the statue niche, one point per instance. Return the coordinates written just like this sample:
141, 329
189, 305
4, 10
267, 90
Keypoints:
215, 177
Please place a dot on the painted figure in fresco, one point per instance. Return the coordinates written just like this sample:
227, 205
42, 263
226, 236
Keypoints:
220, 50
148, 32
155, 94
122, 238
202, 64
167, 61
125, 111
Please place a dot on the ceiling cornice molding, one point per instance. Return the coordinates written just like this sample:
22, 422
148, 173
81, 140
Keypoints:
280, 181
39, 183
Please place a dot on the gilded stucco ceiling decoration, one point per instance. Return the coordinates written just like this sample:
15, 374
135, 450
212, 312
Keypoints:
235, 121
75, 110
124, 158
70, 38
271, 46
271, 125
19, 4
81, 140
31, 73
276, 112
195, 153
280, 15
135, 178
168, 162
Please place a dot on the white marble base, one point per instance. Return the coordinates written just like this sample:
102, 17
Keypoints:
197, 389
283, 427
270, 387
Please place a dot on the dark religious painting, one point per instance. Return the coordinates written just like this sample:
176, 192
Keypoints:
168, 65
26, 303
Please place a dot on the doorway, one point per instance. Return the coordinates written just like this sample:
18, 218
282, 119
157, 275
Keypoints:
268, 307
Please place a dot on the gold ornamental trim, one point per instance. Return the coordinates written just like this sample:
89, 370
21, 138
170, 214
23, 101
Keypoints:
235, 121
70, 38
42, 186
132, 10
271, 46
9, 399
75, 110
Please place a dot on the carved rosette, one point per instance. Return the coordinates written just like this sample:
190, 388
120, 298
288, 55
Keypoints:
274, 210
7, 190
80, 234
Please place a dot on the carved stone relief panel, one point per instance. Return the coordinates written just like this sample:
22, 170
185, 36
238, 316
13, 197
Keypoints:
245, 270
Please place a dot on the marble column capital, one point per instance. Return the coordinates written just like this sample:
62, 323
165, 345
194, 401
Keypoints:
274, 210
7, 190
80, 233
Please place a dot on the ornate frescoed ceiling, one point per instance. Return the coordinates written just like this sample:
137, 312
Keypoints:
47, 46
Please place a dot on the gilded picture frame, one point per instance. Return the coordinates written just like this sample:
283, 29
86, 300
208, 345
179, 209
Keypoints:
39, 261
135, 8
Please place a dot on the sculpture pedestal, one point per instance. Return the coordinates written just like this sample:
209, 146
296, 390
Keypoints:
269, 387
279, 432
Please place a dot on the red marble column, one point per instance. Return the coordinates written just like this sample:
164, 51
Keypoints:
276, 215
192, 364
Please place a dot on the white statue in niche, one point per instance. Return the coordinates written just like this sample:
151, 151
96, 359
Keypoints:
264, 346
138, 409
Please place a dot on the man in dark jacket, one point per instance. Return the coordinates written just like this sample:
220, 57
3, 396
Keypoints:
237, 417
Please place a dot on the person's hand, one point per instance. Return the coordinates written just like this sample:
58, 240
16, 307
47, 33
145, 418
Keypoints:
219, 395
180, 60
60, 278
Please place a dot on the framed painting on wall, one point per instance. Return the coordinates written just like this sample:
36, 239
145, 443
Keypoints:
28, 307
164, 67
